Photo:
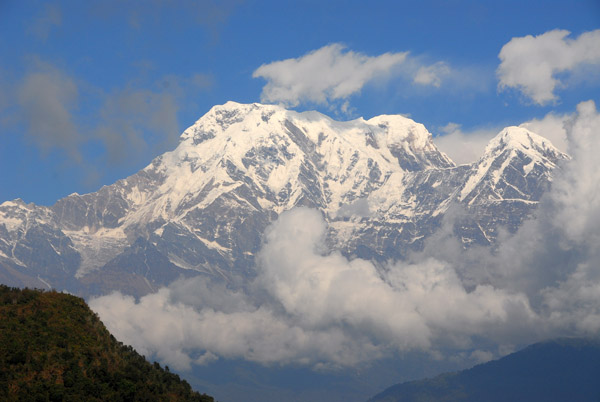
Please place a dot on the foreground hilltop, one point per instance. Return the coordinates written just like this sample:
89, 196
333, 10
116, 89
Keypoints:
381, 184
53, 347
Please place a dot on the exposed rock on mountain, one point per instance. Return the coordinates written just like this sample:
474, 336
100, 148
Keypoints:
381, 184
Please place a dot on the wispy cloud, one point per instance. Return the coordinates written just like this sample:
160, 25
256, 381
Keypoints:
432, 75
532, 64
49, 17
134, 119
209, 13
129, 125
48, 98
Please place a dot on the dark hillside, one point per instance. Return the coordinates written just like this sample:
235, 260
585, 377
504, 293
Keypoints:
54, 348
556, 370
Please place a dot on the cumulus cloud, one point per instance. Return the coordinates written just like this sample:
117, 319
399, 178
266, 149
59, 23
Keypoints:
532, 64
313, 307
323, 75
571, 216
577, 189
553, 258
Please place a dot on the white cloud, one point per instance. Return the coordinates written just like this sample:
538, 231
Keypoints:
577, 190
464, 147
565, 268
312, 308
531, 63
323, 75
329, 76
482, 356
432, 75
553, 258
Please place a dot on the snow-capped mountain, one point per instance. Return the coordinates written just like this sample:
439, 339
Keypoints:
382, 185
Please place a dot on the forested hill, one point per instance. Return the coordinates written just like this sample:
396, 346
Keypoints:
54, 348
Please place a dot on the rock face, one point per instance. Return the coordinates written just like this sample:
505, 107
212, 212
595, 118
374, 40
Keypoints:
201, 209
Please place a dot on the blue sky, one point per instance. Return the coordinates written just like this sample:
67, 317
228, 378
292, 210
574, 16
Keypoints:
91, 91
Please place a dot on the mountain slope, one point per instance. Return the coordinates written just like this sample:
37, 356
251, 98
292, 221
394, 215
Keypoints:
557, 370
201, 209
53, 347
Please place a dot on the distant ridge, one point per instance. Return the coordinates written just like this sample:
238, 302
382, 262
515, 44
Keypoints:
566, 369
54, 348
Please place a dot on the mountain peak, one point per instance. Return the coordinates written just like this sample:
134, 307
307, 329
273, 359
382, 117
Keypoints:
516, 150
409, 142
522, 139
400, 129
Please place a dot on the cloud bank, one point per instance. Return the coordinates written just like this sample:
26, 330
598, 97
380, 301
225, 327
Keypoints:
533, 64
310, 306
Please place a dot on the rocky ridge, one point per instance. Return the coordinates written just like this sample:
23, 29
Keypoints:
201, 209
